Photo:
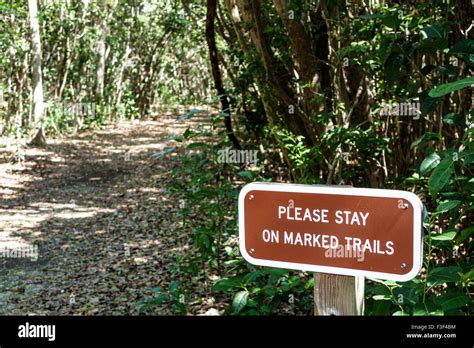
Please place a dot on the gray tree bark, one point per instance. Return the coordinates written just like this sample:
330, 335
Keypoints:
38, 138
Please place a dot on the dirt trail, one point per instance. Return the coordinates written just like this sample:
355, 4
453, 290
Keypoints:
96, 208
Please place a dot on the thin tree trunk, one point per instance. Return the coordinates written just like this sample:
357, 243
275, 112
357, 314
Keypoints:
101, 50
38, 138
216, 73
118, 82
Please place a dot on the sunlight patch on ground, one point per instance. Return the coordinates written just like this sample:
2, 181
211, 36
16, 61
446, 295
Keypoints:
69, 211
18, 225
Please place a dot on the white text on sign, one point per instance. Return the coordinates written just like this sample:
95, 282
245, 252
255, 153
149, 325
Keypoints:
325, 241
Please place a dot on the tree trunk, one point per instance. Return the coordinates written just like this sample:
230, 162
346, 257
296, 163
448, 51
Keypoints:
216, 73
101, 52
119, 79
38, 138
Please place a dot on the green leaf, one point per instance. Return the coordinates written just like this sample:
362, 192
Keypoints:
441, 275
420, 312
435, 36
452, 301
235, 262
386, 282
464, 49
429, 105
173, 288
381, 297
246, 174
448, 205
450, 70
430, 162
444, 236
226, 284
239, 301
450, 87
454, 119
270, 291
393, 65
391, 21
465, 233
254, 291
252, 276
468, 276
441, 175
425, 138
187, 134
266, 309
275, 271
381, 308
435, 31
196, 145
467, 158
160, 299
252, 303
463, 46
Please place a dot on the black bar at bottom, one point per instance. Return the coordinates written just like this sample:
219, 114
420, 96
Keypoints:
141, 330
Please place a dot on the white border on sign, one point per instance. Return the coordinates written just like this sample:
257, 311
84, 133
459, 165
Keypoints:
337, 190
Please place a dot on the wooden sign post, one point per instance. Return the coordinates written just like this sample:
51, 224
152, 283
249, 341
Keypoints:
343, 234
336, 294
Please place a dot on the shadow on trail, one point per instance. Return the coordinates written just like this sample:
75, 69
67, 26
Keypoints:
97, 210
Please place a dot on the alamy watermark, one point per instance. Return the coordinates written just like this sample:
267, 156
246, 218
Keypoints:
76, 109
402, 109
229, 155
342, 251
22, 252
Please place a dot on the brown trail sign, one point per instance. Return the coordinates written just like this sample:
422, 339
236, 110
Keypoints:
329, 229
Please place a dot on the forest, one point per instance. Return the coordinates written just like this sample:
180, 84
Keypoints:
128, 128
